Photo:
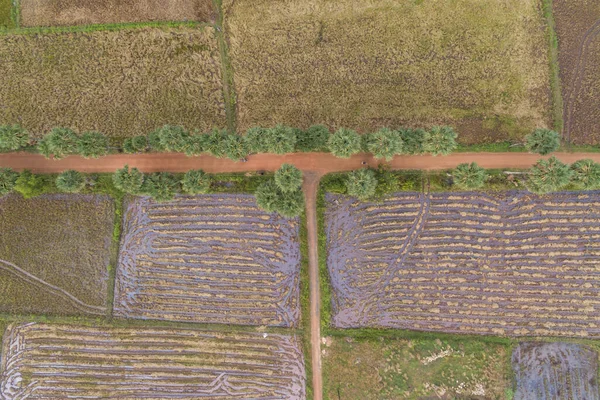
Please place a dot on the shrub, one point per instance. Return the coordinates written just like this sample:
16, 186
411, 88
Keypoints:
60, 142
29, 185
92, 144
235, 147
256, 138
313, 139
586, 174
344, 143
280, 140
197, 144
440, 140
361, 183
469, 176
128, 181
162, 186
70, 181
413, 141
8, 178
548, 176
13, 137
384, 143
542, 141
195, 182
288, 178
137, 144
271, 199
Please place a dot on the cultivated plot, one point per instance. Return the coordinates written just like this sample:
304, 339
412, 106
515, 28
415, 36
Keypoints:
210, 258
84, 12
477, 64
506, 264
54, 254
60, 361
555, 371
578, 29
122, 83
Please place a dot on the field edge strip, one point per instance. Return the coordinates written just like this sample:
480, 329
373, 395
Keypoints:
101, 27
555, 84
229, 95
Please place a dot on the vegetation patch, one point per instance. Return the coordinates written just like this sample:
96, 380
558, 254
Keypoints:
481, 66
85, 12
6, 20
122, 83
54, 253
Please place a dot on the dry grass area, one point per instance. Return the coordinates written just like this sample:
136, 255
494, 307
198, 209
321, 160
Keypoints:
578, 29
480, 65
377, 368
122, 83
54, 254
84, 12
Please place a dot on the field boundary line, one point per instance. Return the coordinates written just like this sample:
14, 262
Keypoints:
227, 70
15, 13
30, 278
102, 27
554, 67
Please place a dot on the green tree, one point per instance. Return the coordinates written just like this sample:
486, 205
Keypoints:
413, 141
542, 141
256, 138
92, 144
288, 178
216, 142
29, 185
136, 144
169, 138
196, 181
267, 195
313, 139
281, 140
384, 143
548, 176
70, 181
361, 183
162, 186
60, 142
344, 143
128, 181
586, 174
235, 147
198, 144
469, 176
440, 140
8, 178
290, 204
13, 137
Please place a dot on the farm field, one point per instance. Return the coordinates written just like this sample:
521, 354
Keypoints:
374, 368
122, 83
555, 371
54, 254
479, 65
510, 263
84, 12
42, 361
208, 258
578, 30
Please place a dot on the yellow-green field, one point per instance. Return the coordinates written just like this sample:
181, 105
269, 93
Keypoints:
122, 83
481, 65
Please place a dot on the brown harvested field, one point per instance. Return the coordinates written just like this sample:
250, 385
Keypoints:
54, 254
41, 361
479, 65
122, 83
85, 12
467, 262
578, 29
209, 258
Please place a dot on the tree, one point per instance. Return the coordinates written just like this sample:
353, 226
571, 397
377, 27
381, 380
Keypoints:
313, 139
92, 144
256, 139
196, 181
70, 181
60, 142
170, 138
384, 143
216, 143
29, 185
128, 181
267, 195
548, 176
288, 178
13, 137
235, 147
469, 176
440, 140
136, 144
542, 141
586, 174
271, 199
197, 144
361, 183
344, 143
8, 178
280, 140
162, 186
413, 141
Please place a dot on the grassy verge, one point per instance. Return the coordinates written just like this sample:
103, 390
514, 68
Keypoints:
557, 101
305, 305
228, 82
15, 30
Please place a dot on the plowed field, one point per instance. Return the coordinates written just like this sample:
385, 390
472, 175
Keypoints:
505, 264
42, 361
212, 258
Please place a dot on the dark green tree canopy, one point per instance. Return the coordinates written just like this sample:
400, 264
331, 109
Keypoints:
161, 186
288, 178
195, 182
216, 141
13, 137
70, 181
8, 178
256, 138
169, 138
197, 144
281, 140
413, 141
271, 199
137, 144
344, 143
361, 183
384, 143
440, 140
267, 195
542, 141
128, 181
313, 139
60, 142
469, 176
586, 174
235, 147
548, 176
92, 144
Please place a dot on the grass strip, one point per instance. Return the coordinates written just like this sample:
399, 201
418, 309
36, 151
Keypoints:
228, 81
555, 86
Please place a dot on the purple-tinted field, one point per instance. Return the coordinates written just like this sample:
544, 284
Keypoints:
506, 264
211, 259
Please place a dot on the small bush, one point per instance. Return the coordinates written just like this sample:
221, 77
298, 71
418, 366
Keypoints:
267, 195
256, 138
288, 178
8, 178
271, 199
344, 143
30, 185
137, 144
195, 182
586, 174
469, 176
361, 183
542, 141
215, 143
13, 137
70, 181
235, 147
197, 144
